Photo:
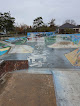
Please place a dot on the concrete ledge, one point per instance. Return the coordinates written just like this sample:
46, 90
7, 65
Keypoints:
1, 61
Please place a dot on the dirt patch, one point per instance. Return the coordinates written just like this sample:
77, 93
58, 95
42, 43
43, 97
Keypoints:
29, 90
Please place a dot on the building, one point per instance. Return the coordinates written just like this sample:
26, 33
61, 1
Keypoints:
65, 26
77, 29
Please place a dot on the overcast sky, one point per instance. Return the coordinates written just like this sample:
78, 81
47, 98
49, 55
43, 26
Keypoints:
25, 11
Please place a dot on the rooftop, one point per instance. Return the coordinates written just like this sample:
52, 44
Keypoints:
67, 25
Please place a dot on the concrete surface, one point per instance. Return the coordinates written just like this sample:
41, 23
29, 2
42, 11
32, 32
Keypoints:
44, 61
24, 89
58, 45
7, 43
47, 71
21, 49
73, 57
67, 87
42, 56
66, 84
12, 65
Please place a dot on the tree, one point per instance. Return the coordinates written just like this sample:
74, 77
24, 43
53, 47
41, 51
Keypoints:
70, 22
52, 26
38, 22
51, 23
73, 22
69, 31
6, 21
22, 29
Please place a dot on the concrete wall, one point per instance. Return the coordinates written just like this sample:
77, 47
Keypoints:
12, 65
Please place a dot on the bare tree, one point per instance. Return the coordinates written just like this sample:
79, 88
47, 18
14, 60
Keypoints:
51, 23
70, 21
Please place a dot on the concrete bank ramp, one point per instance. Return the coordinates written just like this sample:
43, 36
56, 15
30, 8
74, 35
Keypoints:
21, 49
62, 44
7, 43
24, 89
67, 85
74, 57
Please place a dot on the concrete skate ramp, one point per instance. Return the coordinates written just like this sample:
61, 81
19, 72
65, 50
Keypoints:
24, 89
21, 49
4, 51
73, 57
65, 44
67, 84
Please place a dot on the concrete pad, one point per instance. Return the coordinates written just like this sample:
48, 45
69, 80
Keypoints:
67, 87
28, 90
22, 49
